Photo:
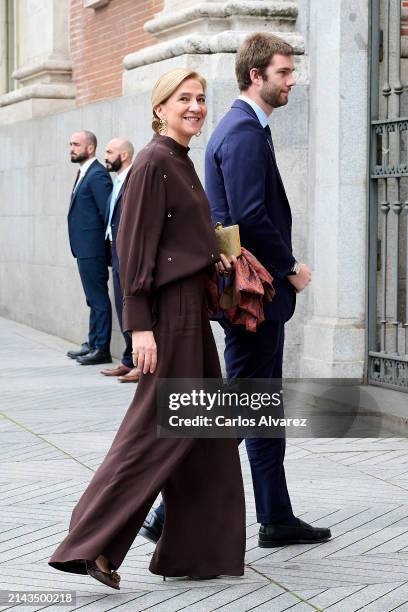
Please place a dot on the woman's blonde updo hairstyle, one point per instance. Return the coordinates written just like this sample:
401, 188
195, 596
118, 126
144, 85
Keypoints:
167, 85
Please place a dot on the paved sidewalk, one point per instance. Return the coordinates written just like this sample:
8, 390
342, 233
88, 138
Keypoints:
56, 422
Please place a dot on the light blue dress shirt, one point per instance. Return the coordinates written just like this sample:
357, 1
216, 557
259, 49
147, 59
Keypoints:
260, 113
117, 184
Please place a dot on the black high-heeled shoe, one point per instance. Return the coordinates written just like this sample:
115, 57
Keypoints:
111, 579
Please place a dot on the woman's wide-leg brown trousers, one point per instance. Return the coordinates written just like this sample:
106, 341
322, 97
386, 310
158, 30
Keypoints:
200, 479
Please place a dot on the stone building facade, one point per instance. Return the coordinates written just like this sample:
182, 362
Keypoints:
91, 64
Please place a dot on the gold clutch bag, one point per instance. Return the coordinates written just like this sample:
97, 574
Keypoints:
228, 239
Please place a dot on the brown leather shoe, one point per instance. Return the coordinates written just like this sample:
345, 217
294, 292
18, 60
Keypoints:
112, 579
119, 370
131, 376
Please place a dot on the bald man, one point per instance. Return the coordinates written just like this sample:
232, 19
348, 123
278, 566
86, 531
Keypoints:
118, 158
86, 227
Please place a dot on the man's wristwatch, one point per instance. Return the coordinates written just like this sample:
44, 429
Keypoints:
295, 270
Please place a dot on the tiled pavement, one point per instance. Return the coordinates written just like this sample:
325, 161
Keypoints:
56, 421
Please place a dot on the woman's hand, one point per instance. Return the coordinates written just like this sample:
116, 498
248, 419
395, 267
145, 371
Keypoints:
224, 266
144, 351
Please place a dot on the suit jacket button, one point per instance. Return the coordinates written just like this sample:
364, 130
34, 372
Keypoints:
165, 176
169, 259
169, 215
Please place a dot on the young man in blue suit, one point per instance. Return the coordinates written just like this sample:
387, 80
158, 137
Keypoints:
118, 158
244, 187
86, 227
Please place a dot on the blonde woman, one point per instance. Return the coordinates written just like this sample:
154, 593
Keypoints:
165, 244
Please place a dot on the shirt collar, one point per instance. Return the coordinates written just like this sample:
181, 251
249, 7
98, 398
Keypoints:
260, 113
122, 175
84, 168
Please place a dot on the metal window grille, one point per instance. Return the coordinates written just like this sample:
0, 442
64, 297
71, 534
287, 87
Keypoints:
387, 316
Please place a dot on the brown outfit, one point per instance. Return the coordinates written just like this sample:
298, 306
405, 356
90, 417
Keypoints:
165, 242
165, 231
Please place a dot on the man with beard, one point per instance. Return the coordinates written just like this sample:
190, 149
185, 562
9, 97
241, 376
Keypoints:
118, 158
86, 227
244, 187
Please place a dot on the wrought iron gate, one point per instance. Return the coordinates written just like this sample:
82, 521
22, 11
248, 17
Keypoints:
388, 199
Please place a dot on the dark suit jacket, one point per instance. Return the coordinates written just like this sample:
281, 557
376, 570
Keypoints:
244, 186
86, 217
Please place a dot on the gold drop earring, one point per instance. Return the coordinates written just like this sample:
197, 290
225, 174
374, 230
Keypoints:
163, 125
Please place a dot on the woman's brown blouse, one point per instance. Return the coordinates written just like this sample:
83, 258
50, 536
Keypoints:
165, 232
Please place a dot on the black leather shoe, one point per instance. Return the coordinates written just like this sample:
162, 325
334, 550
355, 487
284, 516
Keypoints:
271, 536
152, 527
84, 350
94, 357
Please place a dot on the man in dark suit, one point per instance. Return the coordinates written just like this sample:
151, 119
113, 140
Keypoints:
244, 187
118, 158
86, 227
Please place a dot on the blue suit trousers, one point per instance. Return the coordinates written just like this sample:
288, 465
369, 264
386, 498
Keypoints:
94, 277
259, 355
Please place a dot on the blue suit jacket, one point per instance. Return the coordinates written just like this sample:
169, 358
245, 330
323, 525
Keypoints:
244, 186
86, 217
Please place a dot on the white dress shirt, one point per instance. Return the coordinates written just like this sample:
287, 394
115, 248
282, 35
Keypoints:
83, 170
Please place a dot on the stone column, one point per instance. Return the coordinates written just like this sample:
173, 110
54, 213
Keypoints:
3, 47
44, 68
334, 340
